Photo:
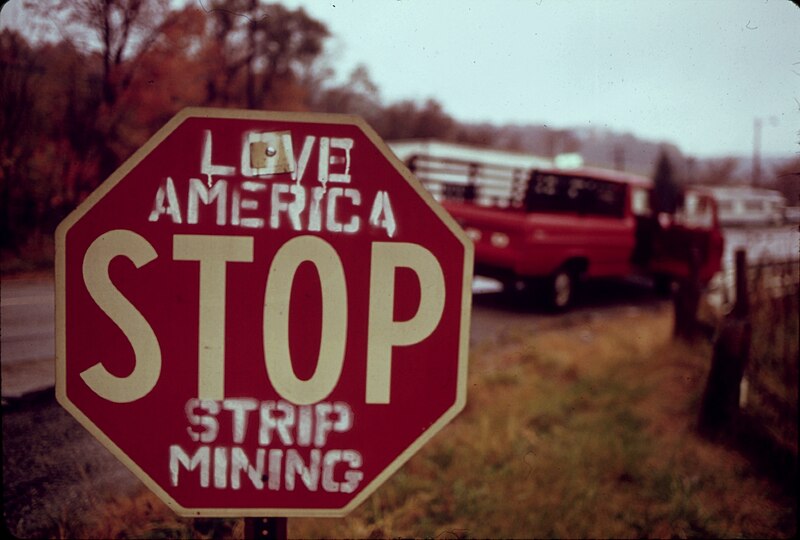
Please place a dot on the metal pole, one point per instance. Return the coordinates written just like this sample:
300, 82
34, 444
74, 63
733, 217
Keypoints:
265, 528
756, 152
741, 307
721, 398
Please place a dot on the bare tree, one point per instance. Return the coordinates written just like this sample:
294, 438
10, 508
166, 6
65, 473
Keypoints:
665, 188
120, 32
255, 48
19, 76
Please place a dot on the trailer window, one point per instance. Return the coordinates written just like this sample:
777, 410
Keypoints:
554, 193
641, 202
753, 206
725, 206
695, 212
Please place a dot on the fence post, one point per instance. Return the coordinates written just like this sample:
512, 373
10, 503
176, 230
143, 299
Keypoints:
720, 405
687, 298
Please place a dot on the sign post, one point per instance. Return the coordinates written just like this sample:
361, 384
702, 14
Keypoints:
262, 314
260, 528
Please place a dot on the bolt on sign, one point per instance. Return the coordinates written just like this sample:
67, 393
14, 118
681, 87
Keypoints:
262, 313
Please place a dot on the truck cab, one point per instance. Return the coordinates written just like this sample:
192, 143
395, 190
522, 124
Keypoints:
538, 226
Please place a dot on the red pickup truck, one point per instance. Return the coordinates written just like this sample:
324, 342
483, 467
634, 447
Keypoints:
549, 227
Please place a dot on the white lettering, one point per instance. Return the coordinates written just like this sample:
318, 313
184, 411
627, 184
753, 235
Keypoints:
304, 425
325, 425
146, 349
239, 463
276, 319
270, 422
220, 468
352, 477
315, 214
213, 253
383, 332
201, 459
305, 155
295, 466
326, 160
240, 409
332, 224
224, 465
328, 463
275, 460
207, 421
233, 461
172, 208
301, 425
301, 208
381, 206
248, 204
205, 161
199, 192
293, 209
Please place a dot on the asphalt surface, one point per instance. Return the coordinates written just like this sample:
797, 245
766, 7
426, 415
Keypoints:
53, 470
27, 335
27, 322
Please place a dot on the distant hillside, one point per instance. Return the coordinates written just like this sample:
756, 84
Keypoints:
601, 148
624, 151
744, 167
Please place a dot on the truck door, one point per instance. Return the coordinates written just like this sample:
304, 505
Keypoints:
690, 236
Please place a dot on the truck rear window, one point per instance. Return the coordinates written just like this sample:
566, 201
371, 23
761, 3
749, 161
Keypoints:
555, 193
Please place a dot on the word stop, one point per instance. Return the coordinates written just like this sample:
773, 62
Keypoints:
213, 254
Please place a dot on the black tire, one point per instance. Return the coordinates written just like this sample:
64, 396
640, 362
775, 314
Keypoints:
662, 285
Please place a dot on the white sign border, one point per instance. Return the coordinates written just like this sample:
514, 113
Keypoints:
122, 172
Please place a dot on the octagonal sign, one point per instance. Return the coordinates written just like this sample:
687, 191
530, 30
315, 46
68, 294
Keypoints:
262, 314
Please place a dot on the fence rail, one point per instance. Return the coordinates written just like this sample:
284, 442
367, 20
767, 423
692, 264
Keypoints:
774, 279
771, 278
754, 370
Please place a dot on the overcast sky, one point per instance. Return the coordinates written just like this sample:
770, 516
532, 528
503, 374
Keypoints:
696, 73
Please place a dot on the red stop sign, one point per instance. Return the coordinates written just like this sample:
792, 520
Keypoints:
262, 314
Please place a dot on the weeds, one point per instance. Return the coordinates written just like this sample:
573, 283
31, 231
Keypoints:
772, 373
577, 432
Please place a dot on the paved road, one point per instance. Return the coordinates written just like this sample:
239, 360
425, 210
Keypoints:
27, 308
27, 335
28, 326
27, 330
53, 469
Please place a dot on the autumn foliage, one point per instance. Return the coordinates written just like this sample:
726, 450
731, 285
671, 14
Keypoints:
84, 83
73, 109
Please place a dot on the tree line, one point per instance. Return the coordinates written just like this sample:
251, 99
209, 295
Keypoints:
74, 107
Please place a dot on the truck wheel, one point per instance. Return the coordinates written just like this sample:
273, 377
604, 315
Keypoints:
562, 289
662, 285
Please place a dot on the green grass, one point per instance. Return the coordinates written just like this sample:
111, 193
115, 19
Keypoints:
575, 432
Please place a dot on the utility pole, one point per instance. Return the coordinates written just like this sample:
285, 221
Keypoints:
619, 157
756, 180
690, 163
